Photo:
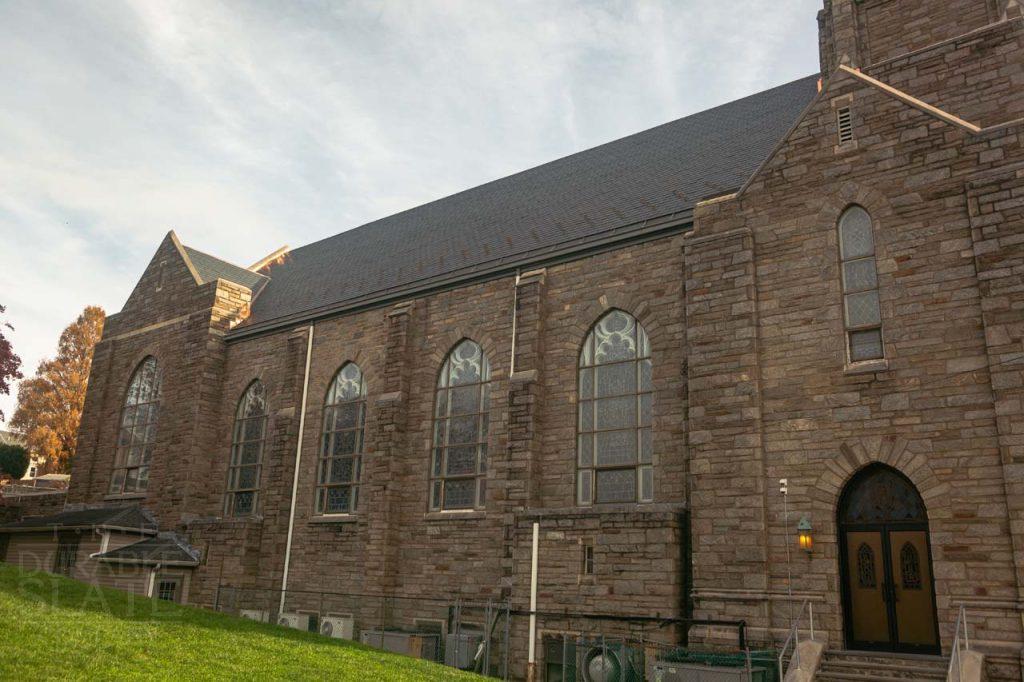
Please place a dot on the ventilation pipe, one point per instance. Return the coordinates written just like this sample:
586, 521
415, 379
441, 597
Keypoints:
295, 478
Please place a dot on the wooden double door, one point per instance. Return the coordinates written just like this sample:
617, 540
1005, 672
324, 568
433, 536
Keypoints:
886, 567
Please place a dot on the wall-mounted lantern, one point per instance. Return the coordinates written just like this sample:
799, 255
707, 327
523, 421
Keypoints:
803, 530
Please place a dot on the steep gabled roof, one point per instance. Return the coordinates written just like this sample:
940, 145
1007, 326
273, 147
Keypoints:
123, 518
165, 548
210, 268
610, 192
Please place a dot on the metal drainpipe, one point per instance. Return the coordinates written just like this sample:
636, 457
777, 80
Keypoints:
152, 579
104, 542
531, 665
515, 304
295, 478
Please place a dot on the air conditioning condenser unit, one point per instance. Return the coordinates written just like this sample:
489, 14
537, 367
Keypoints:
255, 614
339, 627
298, 621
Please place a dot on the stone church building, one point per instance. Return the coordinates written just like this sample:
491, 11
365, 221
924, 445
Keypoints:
630, 346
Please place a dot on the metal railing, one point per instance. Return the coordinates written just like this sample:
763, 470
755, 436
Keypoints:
960, 642
794, 637
477, 635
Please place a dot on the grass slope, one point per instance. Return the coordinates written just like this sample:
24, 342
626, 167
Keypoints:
54, 628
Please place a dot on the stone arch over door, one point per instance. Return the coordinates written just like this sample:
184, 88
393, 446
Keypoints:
885, 566
895, 452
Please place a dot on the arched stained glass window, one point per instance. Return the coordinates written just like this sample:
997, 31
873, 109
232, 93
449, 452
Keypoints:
247, 451
866, 567
880, 494
910, 567
614, 424
137, 432
861, 309
458, 467
341, 446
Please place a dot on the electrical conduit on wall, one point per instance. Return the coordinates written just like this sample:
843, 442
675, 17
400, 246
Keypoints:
295, 478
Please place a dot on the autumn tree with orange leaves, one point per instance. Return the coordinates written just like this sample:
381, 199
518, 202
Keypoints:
50, 403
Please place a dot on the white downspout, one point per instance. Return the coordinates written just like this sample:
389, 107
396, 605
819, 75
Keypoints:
295, 478
531, 668
515, 314
152, 579
104, 543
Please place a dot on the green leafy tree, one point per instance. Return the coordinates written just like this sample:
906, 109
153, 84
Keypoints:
13, 460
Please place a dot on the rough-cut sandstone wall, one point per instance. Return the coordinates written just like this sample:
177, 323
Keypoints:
860, 33
751, 381
931, 412
392, 544
181, 324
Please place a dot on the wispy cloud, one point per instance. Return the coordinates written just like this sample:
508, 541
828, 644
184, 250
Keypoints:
287, 122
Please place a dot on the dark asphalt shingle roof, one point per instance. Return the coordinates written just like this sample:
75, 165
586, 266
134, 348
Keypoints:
578, 199
108, 517
160, 549
211, 268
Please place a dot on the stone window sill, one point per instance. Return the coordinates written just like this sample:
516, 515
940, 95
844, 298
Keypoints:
615, 507
248, 518
126, 496
456, 515
866, 367
845, 147
334, 518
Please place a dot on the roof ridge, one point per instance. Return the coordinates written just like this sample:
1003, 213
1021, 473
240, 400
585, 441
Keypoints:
222, 260
148, 549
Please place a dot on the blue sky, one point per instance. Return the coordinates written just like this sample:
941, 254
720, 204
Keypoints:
248, 125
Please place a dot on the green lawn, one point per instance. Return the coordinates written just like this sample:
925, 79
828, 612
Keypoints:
54, 628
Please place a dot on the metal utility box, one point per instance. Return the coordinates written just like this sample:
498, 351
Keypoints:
416, 644
670, 671
460, 649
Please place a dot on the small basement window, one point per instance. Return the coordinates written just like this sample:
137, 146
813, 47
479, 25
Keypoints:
67, 554
587, 559
168, 588
845, 125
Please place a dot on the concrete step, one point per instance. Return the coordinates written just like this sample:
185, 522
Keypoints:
825, 676
856, 665
832, 674
887, 658
880, 668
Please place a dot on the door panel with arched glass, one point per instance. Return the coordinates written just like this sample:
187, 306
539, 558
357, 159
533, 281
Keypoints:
866, 568
912, 581
887, 579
